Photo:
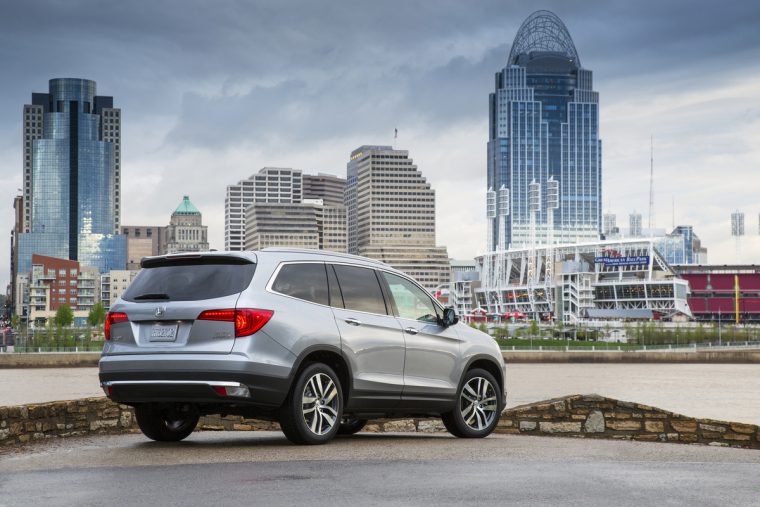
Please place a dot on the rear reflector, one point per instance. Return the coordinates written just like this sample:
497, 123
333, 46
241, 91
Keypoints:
240, 391
111, 319
247, 320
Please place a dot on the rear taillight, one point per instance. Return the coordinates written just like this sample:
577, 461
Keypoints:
247, 320
111, 319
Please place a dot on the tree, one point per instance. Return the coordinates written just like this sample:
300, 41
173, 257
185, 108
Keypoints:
64, 316
533, 329
15, 321
97, 315
482, 327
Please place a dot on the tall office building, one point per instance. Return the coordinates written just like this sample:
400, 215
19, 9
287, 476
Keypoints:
269, 185
143, 241
329, 188
186, 232
72, 177
391, 214
543, 123
292, 225
634, 225
286, 207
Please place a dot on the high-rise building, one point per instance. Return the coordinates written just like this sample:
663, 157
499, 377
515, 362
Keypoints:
543, 123
143, 241
72, 177
269, 185
634, 225
291, 225
329, 188
186, 232
391, 214
287, 208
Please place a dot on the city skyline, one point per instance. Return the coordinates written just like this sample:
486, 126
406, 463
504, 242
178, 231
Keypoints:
195, 114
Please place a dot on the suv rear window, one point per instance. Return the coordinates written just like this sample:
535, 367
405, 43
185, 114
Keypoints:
190, 279
303, 281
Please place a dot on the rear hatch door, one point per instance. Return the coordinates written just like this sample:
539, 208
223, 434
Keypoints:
166, 298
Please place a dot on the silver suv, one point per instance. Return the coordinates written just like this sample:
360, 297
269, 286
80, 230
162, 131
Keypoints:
320, 342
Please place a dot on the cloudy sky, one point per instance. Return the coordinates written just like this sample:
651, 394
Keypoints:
211, 91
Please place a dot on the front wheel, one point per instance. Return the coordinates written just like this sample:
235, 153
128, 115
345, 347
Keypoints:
314, 408
166, 422
477, 410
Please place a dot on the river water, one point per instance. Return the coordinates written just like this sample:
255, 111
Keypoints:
715, 391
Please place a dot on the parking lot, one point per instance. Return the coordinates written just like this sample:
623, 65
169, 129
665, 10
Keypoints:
263, 468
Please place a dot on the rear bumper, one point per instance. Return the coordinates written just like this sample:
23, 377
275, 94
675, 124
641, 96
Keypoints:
191, 378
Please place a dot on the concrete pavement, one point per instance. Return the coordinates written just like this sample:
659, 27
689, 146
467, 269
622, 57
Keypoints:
263, 468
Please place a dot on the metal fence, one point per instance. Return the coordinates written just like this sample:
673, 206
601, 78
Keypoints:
602, 347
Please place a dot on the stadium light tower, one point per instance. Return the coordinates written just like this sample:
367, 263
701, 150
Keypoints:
737, 229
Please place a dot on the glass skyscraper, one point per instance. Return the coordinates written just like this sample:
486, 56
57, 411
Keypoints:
72, 170
543, 131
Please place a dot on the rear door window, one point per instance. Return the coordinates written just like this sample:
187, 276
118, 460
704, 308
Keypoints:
361, 289
190, 279
306, 281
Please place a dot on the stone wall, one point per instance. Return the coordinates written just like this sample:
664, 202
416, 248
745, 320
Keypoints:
24, 423
593, 416
48, 359
584, 416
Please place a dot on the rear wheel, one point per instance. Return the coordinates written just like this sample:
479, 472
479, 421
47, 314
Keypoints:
477, 410
313, 410
351, 425
166, 422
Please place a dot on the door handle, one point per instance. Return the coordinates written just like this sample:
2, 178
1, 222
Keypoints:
353, 321
411, 330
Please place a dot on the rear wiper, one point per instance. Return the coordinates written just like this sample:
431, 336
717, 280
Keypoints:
152, 295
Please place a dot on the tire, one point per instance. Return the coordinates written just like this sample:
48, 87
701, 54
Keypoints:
166, 422
351, 425
478, 406
312, 412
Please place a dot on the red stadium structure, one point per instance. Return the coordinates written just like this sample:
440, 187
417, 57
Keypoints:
715, 295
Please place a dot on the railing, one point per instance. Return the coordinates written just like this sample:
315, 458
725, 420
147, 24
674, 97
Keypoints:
602, 347
4, 349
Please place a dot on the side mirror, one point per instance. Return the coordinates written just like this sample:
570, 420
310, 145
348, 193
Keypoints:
449, 317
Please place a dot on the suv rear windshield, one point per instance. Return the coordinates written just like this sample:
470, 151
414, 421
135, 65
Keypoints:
190, 279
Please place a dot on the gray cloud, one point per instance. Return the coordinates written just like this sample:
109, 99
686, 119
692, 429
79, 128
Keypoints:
227, 87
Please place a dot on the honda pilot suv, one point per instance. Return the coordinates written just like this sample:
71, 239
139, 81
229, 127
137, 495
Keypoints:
319, 342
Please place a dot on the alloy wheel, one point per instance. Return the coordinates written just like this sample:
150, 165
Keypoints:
319, 404
478, 404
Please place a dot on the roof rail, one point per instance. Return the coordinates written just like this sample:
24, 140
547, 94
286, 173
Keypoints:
321, 252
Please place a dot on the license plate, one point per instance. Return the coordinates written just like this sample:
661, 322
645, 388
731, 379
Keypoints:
162, 333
